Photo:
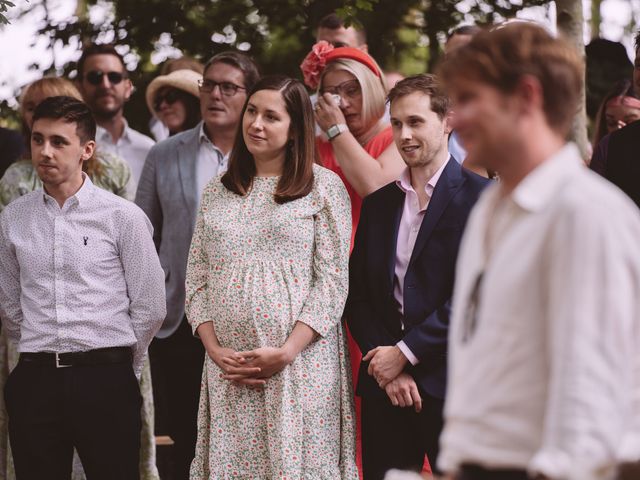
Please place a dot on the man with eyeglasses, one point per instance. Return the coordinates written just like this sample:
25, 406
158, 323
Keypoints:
174, 176
106, 87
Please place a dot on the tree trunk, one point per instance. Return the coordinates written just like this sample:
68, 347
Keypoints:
570, 22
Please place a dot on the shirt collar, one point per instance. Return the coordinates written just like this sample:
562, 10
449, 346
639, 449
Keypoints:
404, 182
81, 196
538, 188
103, 134
203, 138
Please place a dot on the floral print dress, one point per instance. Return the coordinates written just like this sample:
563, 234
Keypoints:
255, 269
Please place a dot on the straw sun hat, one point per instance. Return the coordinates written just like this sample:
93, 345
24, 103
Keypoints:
185, 80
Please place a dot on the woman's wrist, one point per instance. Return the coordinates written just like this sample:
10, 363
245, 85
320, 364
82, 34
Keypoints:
289, 353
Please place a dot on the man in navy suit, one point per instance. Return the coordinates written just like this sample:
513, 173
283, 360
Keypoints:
401, 282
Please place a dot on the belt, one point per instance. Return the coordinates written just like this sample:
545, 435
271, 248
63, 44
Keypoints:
475, 472
100, 356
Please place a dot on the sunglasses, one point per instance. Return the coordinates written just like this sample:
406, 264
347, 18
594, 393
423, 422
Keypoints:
169, 97
95, 77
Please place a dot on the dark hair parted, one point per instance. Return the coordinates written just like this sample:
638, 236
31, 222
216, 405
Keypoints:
69, 110
427, 84
501, 57
242, 62
296, 180
99, 49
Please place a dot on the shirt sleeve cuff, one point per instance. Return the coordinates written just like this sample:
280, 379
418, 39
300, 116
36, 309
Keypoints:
407, 353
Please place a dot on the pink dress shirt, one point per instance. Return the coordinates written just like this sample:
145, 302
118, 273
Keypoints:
408, 229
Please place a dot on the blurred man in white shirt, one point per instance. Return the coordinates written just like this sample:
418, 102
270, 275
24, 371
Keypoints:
545, 332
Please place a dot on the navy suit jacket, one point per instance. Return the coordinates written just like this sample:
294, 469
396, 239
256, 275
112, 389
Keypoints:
371, 309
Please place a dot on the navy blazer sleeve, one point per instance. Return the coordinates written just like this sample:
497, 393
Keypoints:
367, 331
430, 337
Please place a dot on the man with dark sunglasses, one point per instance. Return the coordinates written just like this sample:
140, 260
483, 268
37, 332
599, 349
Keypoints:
106, 87
174, 176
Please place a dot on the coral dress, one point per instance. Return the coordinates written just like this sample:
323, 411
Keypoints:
255, 269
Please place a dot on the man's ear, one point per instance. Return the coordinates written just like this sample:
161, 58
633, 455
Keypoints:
128, 88
88, 150
449, 121
528, 93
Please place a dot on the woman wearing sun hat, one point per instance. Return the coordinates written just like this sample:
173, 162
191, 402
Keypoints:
174, 99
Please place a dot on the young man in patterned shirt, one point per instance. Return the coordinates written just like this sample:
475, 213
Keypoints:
82, 295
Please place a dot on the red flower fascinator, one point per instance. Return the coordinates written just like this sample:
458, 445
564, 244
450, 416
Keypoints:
323, 53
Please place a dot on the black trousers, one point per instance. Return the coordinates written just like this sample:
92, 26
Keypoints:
95, 409
395, 437
176, 370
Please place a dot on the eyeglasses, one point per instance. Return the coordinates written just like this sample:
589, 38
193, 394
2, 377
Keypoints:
348, 89
94, 77
169, 97
227, 89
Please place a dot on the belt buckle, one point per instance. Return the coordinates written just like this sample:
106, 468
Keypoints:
58, 365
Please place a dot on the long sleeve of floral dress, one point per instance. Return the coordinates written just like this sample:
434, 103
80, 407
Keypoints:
325, 302
197, 270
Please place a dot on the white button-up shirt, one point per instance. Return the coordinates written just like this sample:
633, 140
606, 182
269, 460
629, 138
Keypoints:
541, 362
211, 161
412, 217
80, 277
132, 146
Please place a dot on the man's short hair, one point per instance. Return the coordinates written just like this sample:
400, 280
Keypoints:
637, 41
69, 110
427, 84
501, 57
242, 62
470, 30
99, 49
334, 22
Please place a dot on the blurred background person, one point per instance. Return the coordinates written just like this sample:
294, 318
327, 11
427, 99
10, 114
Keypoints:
12, 148
457, 38
105, 170
460, 36
110, 173
104, 82
156, 127
174, 100
620, 107
332, 29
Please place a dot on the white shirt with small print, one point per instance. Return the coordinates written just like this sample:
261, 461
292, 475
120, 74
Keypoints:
541, 366
80, 277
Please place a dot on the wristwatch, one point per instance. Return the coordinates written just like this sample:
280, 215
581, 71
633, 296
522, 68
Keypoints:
335, 130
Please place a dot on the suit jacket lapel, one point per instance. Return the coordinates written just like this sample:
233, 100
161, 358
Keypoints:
187, 161
389, 231
448, 184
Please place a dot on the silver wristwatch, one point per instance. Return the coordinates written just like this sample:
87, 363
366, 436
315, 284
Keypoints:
335, 130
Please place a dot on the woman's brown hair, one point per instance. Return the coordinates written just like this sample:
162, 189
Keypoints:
296, 180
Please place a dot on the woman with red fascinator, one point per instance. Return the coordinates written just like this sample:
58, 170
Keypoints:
357, 142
